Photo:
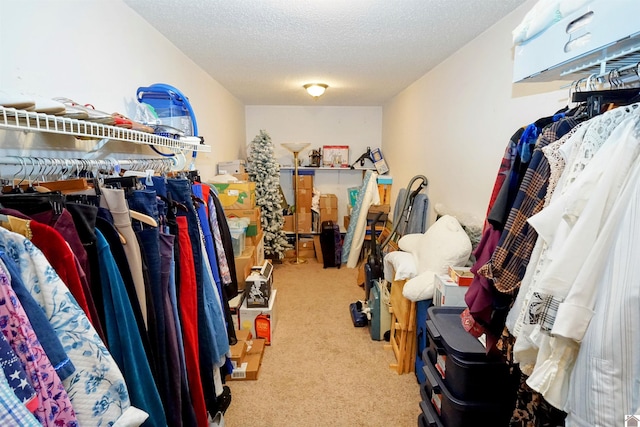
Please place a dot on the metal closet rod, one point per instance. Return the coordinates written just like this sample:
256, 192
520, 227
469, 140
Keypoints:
39, 163
615, 78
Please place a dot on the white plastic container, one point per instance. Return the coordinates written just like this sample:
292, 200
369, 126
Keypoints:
238, 233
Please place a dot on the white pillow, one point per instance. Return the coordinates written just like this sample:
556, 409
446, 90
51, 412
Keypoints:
420, 287
399, 265
445, 243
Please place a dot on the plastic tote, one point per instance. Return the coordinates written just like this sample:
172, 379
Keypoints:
171, 106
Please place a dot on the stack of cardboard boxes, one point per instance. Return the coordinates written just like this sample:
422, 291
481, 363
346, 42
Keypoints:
246, 356
328, 208
303, 202
239, 201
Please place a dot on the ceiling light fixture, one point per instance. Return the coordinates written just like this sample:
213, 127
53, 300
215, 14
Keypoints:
315, 89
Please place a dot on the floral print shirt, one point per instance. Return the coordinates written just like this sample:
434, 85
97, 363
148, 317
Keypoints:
97, 388
54, 406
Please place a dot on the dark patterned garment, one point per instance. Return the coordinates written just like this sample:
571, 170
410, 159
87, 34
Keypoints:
531, 409
480, 294
509, 261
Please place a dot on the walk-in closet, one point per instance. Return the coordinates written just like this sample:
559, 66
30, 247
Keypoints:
300, 213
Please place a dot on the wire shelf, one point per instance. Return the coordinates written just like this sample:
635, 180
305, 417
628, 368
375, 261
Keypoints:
30, 121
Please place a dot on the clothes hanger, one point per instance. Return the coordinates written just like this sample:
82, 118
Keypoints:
173, 204
143, 218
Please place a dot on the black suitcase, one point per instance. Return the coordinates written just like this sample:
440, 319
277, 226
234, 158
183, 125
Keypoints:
331, 244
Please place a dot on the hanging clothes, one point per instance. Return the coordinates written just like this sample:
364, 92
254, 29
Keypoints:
148, 237
124, 341
479, 296
219, 222
571, 224
40, 210
16, 377
168, 248
603, 386
105, 225
189, 317
54, 407
179, 355
13, 411
55, 249
114, 201
97, 389
221, 256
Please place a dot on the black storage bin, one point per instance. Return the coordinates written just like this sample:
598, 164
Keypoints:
429, 416
461, 360
462, 413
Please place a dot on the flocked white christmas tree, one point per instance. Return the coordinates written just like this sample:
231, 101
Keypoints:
265, 172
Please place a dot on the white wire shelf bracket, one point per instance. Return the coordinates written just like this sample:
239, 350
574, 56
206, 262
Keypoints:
30, 121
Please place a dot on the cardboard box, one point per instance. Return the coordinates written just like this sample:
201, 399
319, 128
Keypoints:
461, 275
260, 321
241, 176
304, 200
255, 240
238, 351
231, 167
306, 248
328, 205
318, 248
328, 214
258, 243
288, 223
336, 156
329, 201
240, 348
304, 222
249, 369
237, 195
304, 181
244, 263
448, 293
243, 335
255, 224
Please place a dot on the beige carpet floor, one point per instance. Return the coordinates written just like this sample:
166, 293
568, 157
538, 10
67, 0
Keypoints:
321, 370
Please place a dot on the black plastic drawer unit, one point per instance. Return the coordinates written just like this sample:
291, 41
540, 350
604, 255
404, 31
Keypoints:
429, 416
461, 360
453, 412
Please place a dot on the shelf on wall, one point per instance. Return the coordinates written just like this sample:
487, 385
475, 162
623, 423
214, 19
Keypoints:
593, 40
30, 121
325, 168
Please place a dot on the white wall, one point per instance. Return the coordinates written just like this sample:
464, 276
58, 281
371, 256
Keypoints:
453, 124
100, 52
357, 127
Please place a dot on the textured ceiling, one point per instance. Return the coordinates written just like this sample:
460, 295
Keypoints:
367, 51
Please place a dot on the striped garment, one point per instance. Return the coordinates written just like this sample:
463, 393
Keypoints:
510, 258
